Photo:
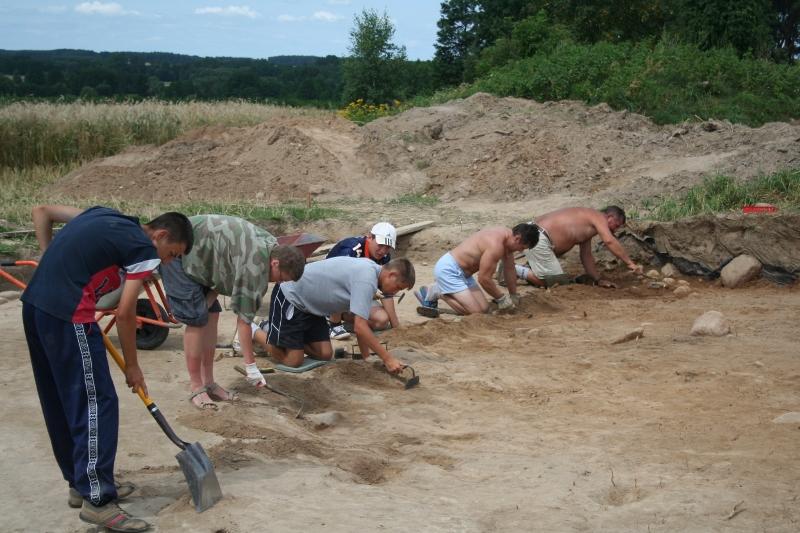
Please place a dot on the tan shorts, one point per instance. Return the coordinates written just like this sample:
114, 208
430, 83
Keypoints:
542, 259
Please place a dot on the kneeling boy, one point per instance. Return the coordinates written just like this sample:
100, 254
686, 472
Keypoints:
297, 323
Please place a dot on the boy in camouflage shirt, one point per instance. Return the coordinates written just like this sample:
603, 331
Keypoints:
230, 257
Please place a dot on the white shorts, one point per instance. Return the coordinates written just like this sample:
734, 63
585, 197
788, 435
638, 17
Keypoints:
542, 259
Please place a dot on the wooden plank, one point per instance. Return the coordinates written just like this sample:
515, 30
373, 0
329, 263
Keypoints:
17, 233
401, 231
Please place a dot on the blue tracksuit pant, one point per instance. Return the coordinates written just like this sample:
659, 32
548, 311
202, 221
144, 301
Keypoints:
78, 400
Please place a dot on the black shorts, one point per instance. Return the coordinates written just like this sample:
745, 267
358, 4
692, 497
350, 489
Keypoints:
290, 328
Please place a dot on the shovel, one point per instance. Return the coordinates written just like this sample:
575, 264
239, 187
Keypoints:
196, 466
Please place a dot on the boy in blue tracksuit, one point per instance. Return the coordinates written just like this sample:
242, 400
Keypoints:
95, 252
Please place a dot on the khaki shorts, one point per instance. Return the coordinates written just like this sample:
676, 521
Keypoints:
542, 259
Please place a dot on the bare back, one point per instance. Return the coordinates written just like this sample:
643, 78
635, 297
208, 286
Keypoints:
570, 226
487, 242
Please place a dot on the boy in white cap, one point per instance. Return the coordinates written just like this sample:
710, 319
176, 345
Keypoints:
378, 246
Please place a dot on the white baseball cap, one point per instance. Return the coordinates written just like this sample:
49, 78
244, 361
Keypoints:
384, 233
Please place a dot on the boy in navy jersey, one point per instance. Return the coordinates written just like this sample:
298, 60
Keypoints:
91, 256
376, 246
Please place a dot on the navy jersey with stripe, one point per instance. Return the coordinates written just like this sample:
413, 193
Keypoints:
89, 257
354, 247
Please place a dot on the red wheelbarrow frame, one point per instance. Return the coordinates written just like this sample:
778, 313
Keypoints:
159, 306
306, 242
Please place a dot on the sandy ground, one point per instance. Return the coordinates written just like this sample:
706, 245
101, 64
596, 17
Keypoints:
525, 422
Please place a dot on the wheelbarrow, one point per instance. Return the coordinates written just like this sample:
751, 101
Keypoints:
306, 242
153, 319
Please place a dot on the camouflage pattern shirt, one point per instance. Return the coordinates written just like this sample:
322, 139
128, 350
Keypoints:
231, 256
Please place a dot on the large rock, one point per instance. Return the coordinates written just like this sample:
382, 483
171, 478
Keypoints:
739, 271
682, 291
669, 271
325, 420
711, 323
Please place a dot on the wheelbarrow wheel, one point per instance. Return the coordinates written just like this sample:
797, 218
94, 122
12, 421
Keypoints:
150, 336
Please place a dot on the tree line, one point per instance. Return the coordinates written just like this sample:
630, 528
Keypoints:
666, 58
760, 29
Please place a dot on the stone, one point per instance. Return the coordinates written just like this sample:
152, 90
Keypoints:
682, 291
669, 271
739, 271
683, 282
787, 418
653, 274
636, 334
711, 323
10, 295
669, 282
325, 420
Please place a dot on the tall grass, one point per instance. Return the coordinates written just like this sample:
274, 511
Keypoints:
21, 189
720, 194
42, 133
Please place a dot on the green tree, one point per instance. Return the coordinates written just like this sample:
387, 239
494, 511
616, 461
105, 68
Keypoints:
786, 23
745, 25
371, 71
457, 42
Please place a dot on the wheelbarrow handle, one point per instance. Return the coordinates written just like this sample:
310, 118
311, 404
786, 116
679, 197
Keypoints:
148, 402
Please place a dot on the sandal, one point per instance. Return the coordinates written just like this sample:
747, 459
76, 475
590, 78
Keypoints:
229, 396
203, 405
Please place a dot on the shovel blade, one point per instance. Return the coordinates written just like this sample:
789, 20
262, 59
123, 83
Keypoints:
200, 476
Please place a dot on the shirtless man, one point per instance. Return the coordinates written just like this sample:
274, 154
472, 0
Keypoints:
479, 253
560, 231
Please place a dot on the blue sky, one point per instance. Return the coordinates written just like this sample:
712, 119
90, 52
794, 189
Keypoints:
255, 29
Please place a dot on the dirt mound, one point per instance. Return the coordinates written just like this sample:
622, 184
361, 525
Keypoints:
503, 148
481, 146
274, 161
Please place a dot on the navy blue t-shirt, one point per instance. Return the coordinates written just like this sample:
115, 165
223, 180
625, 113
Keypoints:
354, 247
89, 257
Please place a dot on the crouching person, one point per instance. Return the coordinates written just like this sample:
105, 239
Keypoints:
231, 257
297, 323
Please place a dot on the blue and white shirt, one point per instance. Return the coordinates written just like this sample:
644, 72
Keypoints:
355, 247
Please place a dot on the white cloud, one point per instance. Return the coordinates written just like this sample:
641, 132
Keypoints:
290, 18
52, 9
100, 8
339, 2
228, 11
326, 16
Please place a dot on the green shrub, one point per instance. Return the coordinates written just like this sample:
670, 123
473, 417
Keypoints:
721, 193
362, 112
667, 82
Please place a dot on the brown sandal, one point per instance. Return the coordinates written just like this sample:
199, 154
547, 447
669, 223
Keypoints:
230, 396
203, 405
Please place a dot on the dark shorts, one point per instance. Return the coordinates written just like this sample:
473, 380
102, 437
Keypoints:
290, 328
186, 297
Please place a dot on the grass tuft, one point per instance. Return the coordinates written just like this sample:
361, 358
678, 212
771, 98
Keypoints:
422, 200
719, 194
